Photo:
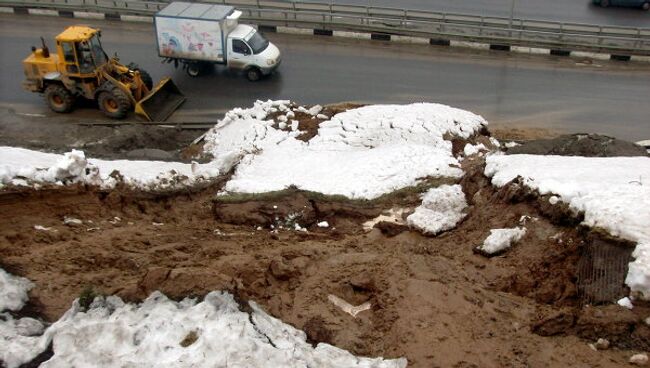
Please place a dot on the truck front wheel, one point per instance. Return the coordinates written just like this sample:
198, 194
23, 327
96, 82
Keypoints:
114, 103
58, 98
253, 74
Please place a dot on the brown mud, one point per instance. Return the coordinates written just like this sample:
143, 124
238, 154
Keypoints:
433, 300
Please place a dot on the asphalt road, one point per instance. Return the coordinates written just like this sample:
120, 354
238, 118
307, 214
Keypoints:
541, 92
571, 11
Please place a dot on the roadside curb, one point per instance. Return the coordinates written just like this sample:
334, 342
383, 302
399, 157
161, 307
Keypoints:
384, 37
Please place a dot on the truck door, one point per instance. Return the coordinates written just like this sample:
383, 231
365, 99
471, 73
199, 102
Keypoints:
239, 53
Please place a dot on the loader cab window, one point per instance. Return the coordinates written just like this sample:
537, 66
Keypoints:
68, 57
98, 51
85, 58
240, 47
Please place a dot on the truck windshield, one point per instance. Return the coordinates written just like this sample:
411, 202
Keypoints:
258, 43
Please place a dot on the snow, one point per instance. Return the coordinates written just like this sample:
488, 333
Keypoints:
361, 153
115, 334
472, 149
501, 239
441, 210
323, 224
612, 192
22, 166
13, 291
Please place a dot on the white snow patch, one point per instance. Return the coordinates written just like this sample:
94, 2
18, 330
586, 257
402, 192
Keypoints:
112, 333
471, 149
553, 200
501, 239
612, 192
24, 167
323, 224
360, 153
441, 210
13, 291
512, 144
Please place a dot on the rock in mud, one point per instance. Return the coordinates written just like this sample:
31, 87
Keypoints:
554, 324
639, 359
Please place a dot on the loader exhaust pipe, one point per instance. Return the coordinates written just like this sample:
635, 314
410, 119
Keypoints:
46, 50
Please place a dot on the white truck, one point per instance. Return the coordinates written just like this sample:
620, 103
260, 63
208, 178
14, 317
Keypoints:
200, 35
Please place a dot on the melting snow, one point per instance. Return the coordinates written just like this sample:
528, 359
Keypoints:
501, 239
612, 192
155, 334
441, 210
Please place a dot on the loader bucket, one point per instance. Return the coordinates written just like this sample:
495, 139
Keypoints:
161, 102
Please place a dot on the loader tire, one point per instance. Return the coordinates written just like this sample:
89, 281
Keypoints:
146, 78
114, 103
58, 98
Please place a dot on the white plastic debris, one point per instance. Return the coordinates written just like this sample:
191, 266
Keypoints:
71, 221
42, 228
625, 303
553, 200
323, 224
347, 307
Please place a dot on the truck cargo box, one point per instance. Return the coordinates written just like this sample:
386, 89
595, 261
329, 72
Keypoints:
194, 31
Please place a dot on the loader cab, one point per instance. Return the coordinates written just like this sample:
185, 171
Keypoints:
80, 51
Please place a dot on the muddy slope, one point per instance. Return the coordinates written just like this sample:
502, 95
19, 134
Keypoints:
433, 300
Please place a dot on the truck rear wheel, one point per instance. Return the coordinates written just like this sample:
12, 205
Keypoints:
253, 74
193, 69
58, 98
114, 103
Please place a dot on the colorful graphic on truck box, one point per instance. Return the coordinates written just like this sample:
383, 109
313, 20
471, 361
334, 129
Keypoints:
189, 39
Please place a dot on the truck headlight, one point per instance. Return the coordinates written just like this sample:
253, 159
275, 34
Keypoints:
270, 62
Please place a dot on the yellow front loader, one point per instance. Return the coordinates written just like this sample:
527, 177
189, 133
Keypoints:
81, 68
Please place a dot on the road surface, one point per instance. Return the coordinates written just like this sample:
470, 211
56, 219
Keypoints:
541, 92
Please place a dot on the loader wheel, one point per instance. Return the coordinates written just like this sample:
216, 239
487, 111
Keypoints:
146, 78
59, 98
253, 74
114, 103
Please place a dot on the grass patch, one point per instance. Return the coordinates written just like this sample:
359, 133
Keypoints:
404, 195
86, 297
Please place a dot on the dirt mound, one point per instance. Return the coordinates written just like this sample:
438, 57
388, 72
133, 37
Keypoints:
431, 299
588, 145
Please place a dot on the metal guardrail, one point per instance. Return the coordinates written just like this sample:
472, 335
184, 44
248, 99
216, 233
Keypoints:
419, 23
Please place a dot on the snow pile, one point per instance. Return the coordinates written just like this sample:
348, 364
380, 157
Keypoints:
360, 153
441, 210
26, 167
501, 239
471, 149
13, 291
164, 333
612, 192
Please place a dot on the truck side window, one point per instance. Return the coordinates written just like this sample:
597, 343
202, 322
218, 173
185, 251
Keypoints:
240, 47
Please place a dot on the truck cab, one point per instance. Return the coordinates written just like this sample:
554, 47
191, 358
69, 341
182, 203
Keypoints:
248, 50
198, 35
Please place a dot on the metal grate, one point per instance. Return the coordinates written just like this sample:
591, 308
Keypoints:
601, 272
